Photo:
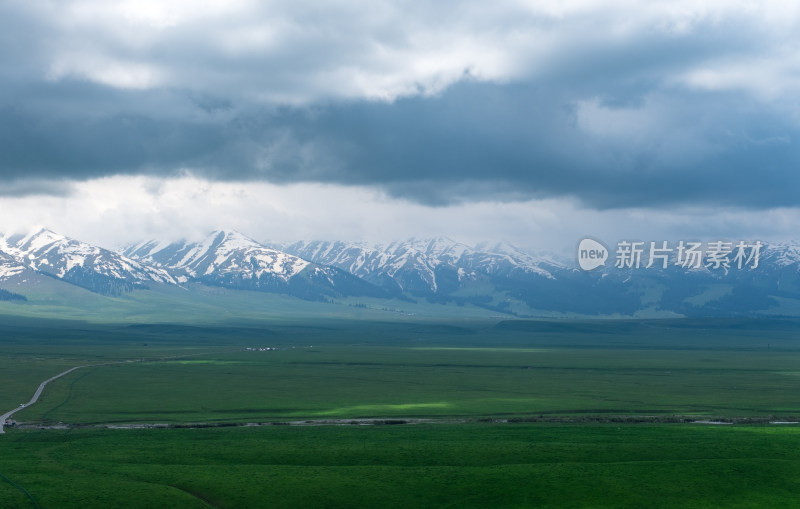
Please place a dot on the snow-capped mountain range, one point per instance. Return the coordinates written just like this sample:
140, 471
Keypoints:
9, 266
498, 277
92, 267
231, 259
221, 253
421, 266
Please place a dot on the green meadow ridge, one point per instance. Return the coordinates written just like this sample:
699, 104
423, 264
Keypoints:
435, 273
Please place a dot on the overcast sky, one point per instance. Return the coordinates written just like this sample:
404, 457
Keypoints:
534, 123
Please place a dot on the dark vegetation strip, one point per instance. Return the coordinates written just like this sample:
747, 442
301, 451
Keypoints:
597, 369
194, 495
69, 395
497, 419
23, 490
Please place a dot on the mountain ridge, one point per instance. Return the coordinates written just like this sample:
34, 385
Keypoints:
493, 276
233, 260
101, 270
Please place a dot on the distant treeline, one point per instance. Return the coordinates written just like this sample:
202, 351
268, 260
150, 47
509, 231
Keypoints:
6, 295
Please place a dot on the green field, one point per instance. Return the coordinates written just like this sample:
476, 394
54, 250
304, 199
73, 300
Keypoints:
333, 381
442, 465
494, 413
335, 369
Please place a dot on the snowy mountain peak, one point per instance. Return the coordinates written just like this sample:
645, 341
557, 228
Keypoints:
233, 260
233, 236
439, 247
9, 266
223, 253
36, 239
421, 265
232, 240
83, 264
782, 253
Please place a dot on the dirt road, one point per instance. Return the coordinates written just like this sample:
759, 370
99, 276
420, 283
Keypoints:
35, 397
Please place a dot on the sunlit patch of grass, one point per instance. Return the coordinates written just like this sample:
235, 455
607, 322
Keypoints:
481, 349
376, 409
203, 361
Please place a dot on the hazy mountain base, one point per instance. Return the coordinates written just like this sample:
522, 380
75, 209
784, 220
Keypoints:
51, 298
40, 295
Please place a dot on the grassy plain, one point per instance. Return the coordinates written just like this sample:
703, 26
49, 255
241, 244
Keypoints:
464, 375
329, 381
433, 465
334, 369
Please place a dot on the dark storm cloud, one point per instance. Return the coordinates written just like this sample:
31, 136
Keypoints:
80, 131
475, 141
33, 187
649, 113
481, 141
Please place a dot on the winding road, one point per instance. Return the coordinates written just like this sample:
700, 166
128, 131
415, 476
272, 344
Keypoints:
4, 417
35, 398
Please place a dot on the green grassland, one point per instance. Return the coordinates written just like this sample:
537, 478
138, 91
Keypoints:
434, 465
484, 390
345, 369
327, 381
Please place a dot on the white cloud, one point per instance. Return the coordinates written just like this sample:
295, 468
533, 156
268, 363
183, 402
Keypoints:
115, 211
298, 52
113, 72
768, 77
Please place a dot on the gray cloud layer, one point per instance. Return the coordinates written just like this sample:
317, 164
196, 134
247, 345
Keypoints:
614, 107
